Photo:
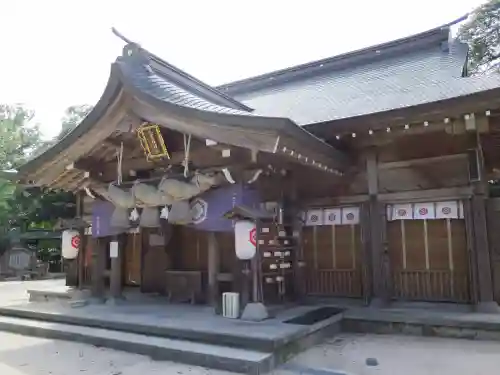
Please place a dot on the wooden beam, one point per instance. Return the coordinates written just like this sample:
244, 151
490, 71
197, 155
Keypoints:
403, 196
421, 161
434, 112
128, 144
427, 195
201, 158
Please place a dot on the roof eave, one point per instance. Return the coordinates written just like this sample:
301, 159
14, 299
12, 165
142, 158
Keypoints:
281, 127
109, 95
451, 107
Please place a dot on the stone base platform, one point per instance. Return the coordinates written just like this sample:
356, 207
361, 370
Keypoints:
182, 333
423, 322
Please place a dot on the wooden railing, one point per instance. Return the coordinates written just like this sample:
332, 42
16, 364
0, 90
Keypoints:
342, 283
431, 285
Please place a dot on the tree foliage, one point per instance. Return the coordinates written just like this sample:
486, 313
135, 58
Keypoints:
482, 33
18, 136
20, 139
72, 117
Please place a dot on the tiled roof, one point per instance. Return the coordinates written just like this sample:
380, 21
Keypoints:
419, 69
143, 75
414, 78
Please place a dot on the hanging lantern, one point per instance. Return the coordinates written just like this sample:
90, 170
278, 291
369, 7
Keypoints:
152, 141
245, 237
70, 244
150, 218
120, 218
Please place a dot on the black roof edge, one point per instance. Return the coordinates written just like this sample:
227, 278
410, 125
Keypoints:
440, 33
111, 91
185, 80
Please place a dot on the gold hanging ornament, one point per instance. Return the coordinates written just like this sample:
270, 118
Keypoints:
152, 141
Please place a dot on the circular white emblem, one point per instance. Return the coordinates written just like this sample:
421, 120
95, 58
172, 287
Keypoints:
199, 209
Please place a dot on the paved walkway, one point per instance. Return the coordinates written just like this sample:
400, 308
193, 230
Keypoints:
346, 354
14, 292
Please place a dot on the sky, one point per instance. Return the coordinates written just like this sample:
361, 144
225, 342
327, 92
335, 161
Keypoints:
58, 53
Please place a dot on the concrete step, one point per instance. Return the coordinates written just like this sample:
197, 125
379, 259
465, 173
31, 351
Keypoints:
177, 333
181, 351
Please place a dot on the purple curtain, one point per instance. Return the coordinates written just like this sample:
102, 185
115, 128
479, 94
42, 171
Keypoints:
101, 219
208, 209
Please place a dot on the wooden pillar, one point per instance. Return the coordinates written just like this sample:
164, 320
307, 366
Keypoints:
480, 260
376, 230
478, 229
82, 245
99, 248
367, 253
296, 235
115, 281
213, 271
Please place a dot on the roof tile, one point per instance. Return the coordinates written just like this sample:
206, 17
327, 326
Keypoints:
418, 77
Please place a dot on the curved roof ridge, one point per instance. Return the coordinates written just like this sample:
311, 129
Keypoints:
187, 81
434, 35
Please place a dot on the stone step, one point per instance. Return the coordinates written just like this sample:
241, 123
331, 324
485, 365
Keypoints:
235, 340
159, 348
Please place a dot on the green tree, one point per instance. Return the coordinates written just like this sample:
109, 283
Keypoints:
482, 33
18, 136
72, 117
20, 206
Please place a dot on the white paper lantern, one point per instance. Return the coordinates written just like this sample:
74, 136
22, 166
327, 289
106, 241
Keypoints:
245, 237
70, 244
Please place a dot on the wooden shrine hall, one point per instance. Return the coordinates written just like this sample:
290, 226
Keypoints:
366, 175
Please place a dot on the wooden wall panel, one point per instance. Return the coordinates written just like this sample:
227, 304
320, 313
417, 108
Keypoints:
438, 274
155, 262
439, 257
333, 256
415, 246
308, 246
459, 242
133, 259
324, 243
227, 253
193, 247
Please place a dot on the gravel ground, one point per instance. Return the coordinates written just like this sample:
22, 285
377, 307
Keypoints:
21, 355
346, 354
